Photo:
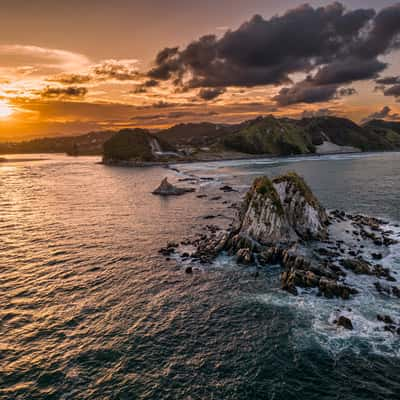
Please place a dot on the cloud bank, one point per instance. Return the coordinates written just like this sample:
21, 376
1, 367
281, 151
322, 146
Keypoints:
332, 46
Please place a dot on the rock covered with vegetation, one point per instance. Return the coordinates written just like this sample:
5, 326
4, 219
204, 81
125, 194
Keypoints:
281, 211
136, 146
285, 136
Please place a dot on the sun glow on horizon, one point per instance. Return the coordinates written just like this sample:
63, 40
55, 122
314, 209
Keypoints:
5, 109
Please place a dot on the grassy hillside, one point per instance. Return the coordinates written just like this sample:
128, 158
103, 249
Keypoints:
389, 130
199, 134
88, 144
287, 136
133, 144
344, 132
271, 136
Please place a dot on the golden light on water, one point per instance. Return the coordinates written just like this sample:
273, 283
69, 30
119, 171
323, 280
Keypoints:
5, 109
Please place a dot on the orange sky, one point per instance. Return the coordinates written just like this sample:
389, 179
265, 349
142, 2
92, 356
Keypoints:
72, 67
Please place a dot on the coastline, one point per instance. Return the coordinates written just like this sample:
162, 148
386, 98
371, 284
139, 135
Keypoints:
136, 164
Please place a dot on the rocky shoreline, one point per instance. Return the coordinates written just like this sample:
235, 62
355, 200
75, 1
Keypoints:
280, 221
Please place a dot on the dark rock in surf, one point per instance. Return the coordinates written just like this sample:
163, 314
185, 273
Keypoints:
227, 189
387, 319
167, 189
345, 322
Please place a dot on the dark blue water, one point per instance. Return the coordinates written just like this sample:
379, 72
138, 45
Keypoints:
89, 310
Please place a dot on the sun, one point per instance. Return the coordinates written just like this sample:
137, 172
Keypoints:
5, 109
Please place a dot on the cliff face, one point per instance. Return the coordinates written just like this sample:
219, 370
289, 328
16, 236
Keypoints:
281, 211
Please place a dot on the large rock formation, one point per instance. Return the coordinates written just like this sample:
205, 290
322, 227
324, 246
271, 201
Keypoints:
280, 212
278, 219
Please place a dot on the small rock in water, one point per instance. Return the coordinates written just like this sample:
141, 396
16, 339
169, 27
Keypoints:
377, 256
167, 189
345, 322
189, 270
385, 318
227, 188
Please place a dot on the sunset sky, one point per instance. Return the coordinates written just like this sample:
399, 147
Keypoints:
69, 67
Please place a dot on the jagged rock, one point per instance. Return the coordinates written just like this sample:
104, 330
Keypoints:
281, 211
244, 256
396, 291
357, 266
345, 322
331, 288
377, 256
387, 319
227, 189
167, 189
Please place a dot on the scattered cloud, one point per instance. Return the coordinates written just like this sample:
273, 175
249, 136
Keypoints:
120, 70
36, 59
393, 91
210, 93
384, 113
63, 92
322, 112
388, 80
308, 91
71, 79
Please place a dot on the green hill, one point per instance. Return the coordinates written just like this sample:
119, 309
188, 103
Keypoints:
285, 136
389, 130
271, 136
135, 145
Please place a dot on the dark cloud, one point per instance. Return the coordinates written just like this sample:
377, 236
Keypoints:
163, 104
143, 88
348, 70
343, 92
341, 46
385, 113
150, 83
388, 80
62, 92
210, 93
393, 91
71, 79
116, 69
308, 91
305, 92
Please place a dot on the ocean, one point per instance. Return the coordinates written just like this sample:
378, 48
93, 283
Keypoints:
89, 309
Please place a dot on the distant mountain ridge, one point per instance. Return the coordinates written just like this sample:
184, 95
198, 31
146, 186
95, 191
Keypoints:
263, 135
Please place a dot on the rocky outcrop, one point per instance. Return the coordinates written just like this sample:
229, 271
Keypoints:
345, 322
279, 213
167, 189
281, 222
